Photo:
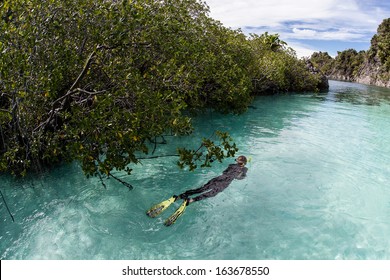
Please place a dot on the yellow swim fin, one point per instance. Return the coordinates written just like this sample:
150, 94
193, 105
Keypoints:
160, 207
172, 219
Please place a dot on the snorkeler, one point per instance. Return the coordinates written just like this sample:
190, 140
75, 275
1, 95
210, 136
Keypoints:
210, 189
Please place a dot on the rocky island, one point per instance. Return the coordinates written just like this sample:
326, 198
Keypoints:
370, 67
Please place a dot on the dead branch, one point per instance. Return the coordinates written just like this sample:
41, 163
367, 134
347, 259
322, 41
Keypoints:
6, 206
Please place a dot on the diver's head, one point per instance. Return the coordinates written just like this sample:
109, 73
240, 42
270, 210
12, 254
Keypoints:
241, 160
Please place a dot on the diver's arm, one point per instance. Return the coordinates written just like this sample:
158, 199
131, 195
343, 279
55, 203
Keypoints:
242, 174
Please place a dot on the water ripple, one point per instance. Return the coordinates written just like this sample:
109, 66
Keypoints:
317, 188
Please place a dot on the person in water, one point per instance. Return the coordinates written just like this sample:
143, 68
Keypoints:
211, 188
218, 184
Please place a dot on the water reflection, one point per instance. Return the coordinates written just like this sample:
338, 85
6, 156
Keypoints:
356, 94
318, 178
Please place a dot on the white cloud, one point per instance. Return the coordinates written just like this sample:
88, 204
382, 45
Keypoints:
310, 33
306, 25
302, 50
238, 13
341, 35
300, 19
304, 33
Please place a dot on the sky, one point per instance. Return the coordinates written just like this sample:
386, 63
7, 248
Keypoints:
306, 25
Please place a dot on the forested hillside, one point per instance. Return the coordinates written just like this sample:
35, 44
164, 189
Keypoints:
102, 82
369, 67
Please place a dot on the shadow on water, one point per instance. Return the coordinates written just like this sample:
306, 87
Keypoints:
59, 208
356, 94
266, 117
294, 204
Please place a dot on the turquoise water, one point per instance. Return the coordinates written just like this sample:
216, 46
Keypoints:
317, 188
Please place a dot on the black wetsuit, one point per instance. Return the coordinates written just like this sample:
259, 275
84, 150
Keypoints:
217, 184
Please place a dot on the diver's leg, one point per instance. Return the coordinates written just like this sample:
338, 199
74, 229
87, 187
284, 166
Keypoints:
202, 189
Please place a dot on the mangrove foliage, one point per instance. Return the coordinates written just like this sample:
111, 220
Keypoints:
102, 82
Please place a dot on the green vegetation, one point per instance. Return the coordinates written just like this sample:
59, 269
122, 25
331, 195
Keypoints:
380, 44
275, 68
346, 64
350, 64
322, 61
349, 61
101, 81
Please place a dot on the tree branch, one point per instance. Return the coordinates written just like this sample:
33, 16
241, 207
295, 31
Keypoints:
85, 69
129, 186
71, 90
153, 157
90, 92
6, 205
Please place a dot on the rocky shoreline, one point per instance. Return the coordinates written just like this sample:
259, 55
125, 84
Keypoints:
371, 67
368, 74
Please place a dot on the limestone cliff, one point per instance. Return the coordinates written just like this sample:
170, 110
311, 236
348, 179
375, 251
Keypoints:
370, 67
370, 72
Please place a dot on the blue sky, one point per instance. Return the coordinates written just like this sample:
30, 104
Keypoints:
306, 25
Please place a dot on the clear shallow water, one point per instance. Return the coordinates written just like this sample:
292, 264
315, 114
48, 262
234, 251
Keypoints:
317, 188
